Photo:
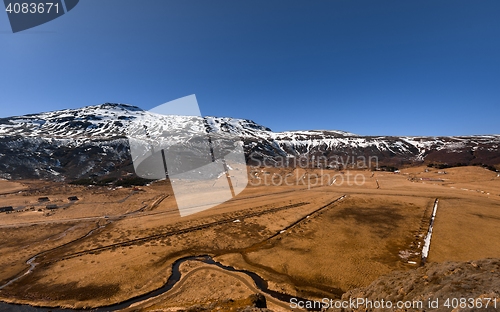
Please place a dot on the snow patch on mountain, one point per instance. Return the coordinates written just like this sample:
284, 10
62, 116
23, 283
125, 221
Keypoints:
92, 140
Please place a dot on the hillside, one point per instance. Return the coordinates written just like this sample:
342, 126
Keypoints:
438, 282
91, 141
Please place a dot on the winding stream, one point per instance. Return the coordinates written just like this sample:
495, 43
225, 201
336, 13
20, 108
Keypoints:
31, 262
172, 280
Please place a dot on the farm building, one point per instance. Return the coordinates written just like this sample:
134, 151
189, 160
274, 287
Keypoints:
6, 209
51, 207
73, 198
43, 199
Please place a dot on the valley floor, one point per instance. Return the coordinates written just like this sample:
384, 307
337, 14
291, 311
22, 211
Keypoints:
323, 235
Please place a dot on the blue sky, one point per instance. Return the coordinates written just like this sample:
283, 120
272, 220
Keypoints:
372, 67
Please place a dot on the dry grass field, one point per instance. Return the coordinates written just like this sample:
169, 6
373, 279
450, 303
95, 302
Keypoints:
7, 187
319, 236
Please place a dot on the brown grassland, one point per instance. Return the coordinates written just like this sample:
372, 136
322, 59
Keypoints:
312, 238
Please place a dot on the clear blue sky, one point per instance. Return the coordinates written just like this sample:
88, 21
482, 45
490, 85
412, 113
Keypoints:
373, 67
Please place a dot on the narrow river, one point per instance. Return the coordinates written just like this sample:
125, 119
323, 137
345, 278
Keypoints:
172, 280
31, 262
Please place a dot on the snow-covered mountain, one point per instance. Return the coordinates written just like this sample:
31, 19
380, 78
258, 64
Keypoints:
109, 120
91, 141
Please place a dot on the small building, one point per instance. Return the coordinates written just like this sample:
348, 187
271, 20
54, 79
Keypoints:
51, 207
73, 198
43, 199
6, 209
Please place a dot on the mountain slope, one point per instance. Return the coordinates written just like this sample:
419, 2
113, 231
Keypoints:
91, 141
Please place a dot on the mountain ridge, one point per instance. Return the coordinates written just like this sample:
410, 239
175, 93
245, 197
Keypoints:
91, 141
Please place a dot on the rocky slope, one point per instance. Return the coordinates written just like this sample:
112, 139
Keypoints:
437, 285
92, 141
